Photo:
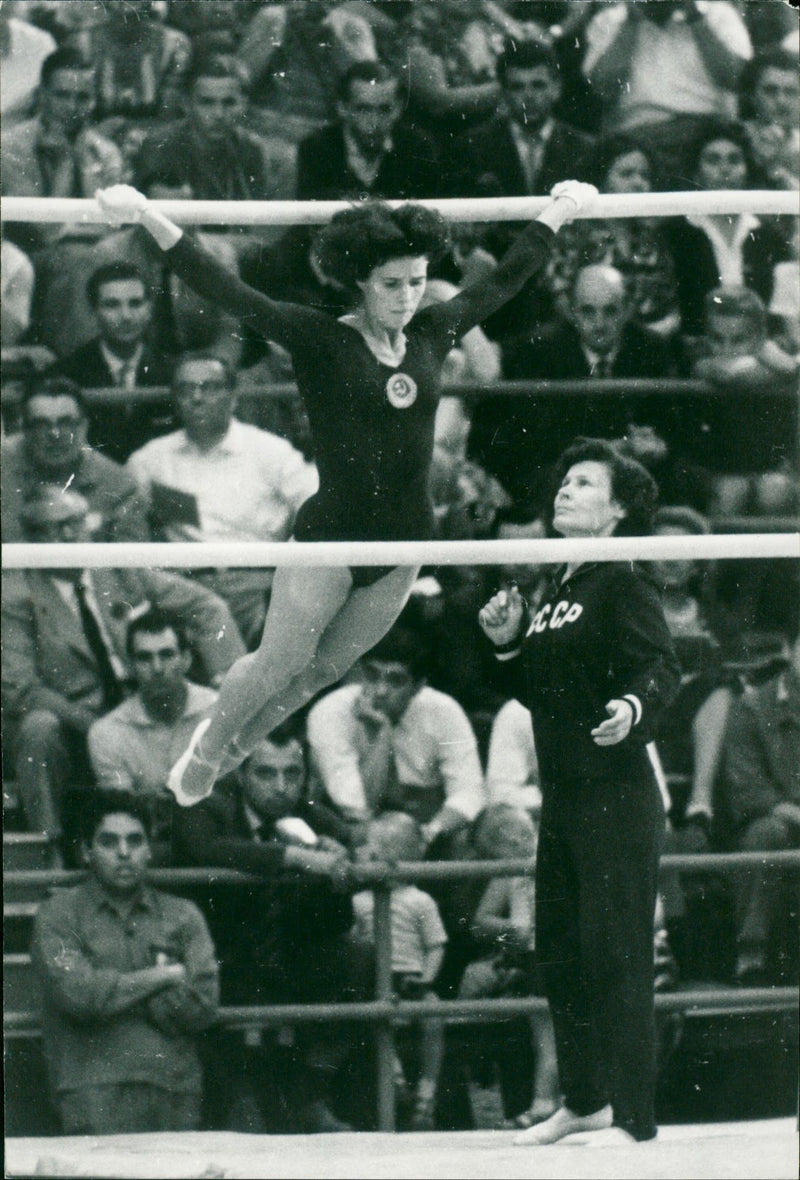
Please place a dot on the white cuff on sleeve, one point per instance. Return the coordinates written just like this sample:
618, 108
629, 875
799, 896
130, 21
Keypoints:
637, 706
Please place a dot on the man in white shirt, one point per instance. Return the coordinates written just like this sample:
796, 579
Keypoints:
133, 747
391, 743
219, 479
666, 67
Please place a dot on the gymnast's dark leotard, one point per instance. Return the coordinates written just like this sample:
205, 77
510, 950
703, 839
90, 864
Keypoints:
372, 423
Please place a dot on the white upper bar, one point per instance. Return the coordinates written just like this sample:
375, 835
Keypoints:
64, 209
201, 555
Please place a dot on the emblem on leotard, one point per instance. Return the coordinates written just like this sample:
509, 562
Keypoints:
401, 390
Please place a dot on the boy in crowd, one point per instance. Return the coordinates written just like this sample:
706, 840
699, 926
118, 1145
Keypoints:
418, 942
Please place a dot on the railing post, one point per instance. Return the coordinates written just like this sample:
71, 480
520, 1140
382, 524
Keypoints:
384, 1034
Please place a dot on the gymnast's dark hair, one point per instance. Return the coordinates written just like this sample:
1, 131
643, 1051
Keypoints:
357, 240
632, 485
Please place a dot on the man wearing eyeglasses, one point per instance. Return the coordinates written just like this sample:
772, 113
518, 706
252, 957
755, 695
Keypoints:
220, 479
52, 449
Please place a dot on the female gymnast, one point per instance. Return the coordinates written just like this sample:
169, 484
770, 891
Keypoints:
595, 666
370, 384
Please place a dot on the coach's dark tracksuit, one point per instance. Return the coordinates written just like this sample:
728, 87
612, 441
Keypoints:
599, 636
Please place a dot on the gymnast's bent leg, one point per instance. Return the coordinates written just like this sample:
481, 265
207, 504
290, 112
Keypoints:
302, 604
317, 627
366, 616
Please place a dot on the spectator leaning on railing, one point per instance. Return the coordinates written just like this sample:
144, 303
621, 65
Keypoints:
286, 940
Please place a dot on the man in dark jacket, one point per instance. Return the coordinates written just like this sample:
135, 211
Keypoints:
369, 151
284, 940
523, 149
520, 151
121, 356
518, 438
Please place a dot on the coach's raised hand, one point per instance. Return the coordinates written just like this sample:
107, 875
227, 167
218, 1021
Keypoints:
501, 618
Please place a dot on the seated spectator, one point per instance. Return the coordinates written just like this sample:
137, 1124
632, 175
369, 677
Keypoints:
769, 98
503, 924
120, 355
522, 149
64, 659
134, 747
62, 318
221, 479
129, 980
284, 941
512, 768
295, 55
663, 70
369, 150
16, 291
59, 153
23, 49
517, 439
418, 940
141, 63
748, 444
761, 754
732, 250
391, 743
636, 246
52, 449
210, 155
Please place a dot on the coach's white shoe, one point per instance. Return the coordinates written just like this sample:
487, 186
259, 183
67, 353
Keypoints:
565, 1122
188, 798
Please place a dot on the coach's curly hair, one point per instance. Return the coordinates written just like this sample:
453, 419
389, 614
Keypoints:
632, 485
357, 240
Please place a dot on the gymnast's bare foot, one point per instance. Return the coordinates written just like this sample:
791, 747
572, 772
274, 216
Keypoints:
565, 1122
192, 777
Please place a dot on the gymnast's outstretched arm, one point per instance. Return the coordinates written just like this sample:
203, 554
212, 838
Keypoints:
521, 261
288, 324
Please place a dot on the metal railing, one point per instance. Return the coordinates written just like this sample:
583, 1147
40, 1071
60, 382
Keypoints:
386, 1012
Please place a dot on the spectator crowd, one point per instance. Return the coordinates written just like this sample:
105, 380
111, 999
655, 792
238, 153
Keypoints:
134, 410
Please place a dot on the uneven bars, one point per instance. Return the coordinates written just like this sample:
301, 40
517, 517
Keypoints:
472, 209
233, 554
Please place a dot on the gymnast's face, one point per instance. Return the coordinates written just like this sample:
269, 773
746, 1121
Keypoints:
392, 292
584, 504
